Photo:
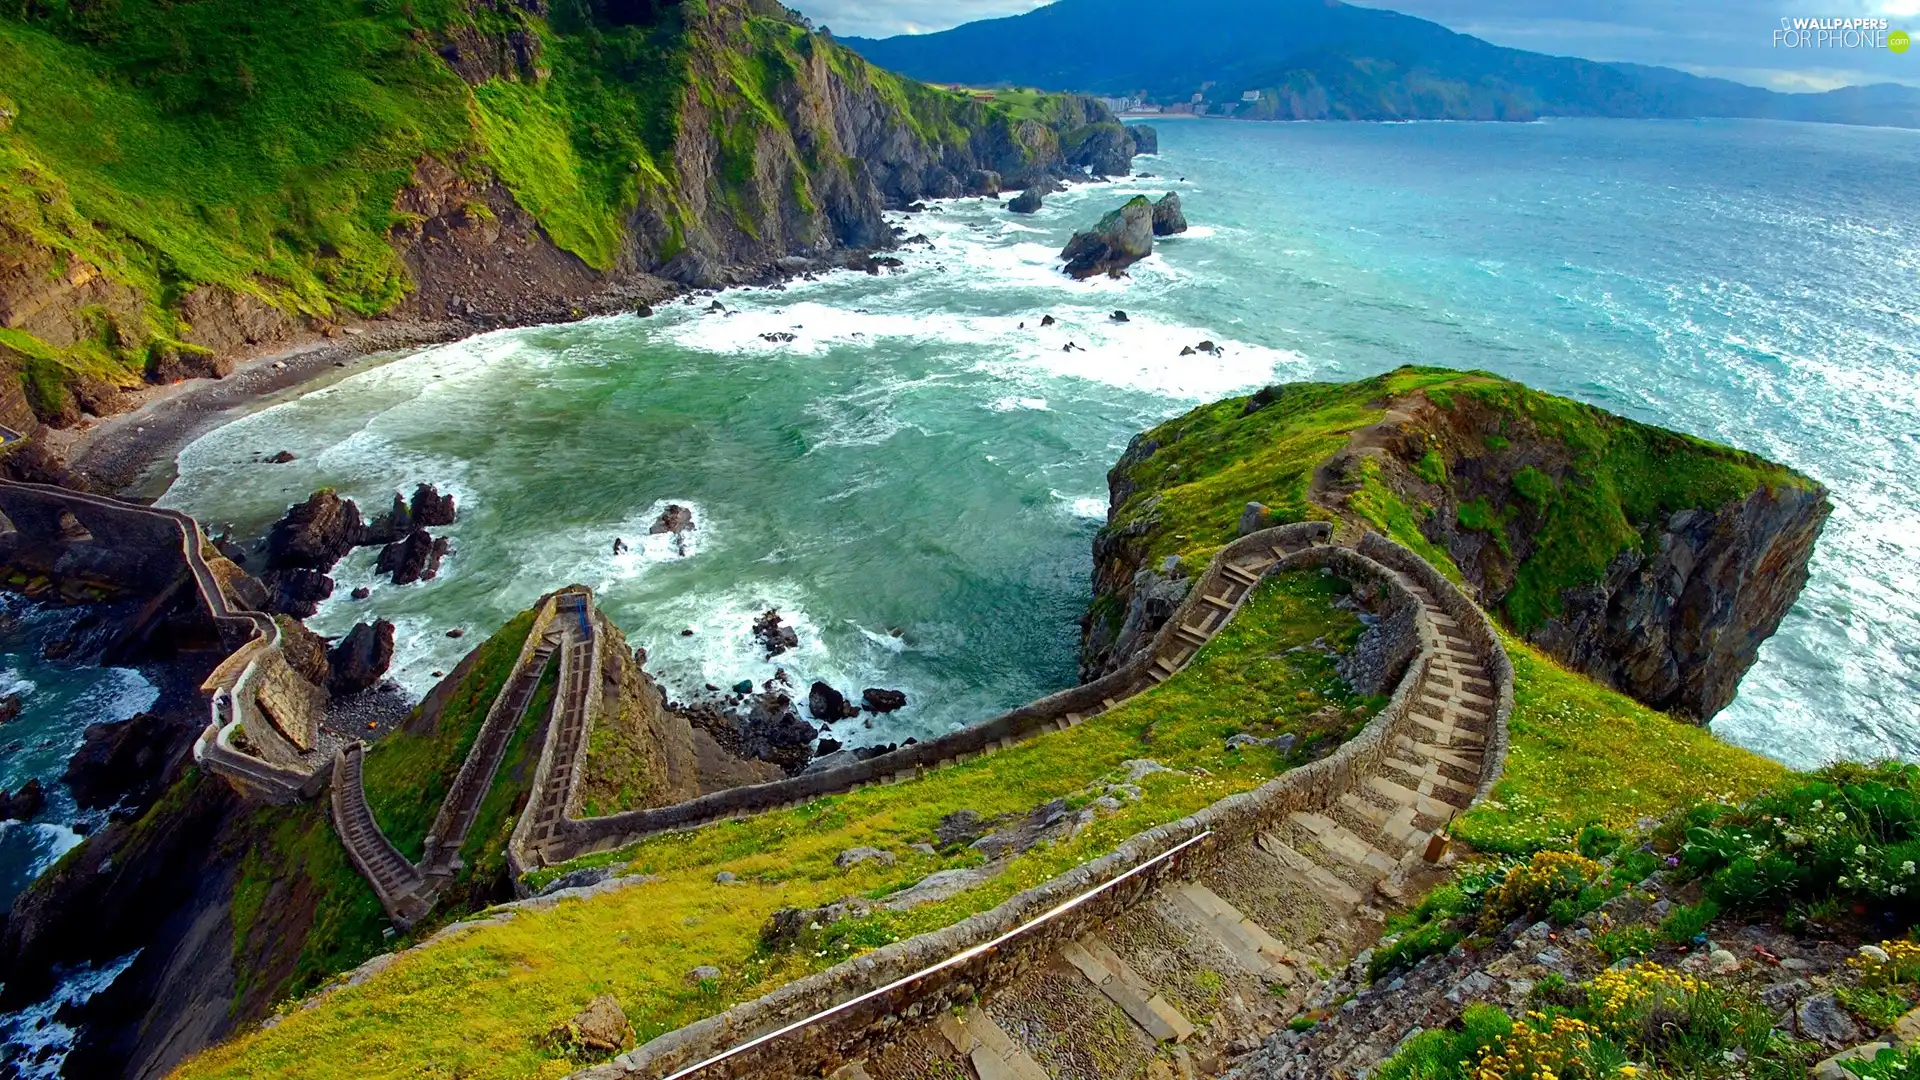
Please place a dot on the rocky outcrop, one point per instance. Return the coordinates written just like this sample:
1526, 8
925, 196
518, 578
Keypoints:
315, 534
880, 700
1027, 202
1167, 218
1103, 148
126, 764
774, 636
674, 519
416, 557
826, 703
1145, 139
766, 728
23, 804
1121, 238
361, 658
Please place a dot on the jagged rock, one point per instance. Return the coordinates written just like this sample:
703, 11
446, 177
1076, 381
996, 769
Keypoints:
1145, 139
281, 458
9, 707
1167, 218
826, 703
880, 700
1046, 320
360, 592
296, 591
1186, 350
601, 1027
1027, 202
430, 508
777, 336
1120, 239
674, 519
773, 732
23, 804
129, 762
853, 857
314, 534
1118, 315
1103, 149
361, 658
1821, 1017
416, 558
774, 636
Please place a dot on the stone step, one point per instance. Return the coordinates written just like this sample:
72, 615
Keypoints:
1435, 810
1397, 829
1095, 959
1428, 779
993, 1053
1247, 941
1322, 880
1343, 844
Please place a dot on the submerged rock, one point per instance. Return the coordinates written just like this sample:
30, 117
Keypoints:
773, 635
674, 519
24, 804
1120, 239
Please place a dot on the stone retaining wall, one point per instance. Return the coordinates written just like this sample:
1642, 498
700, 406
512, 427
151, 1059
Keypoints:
583, 836
848, 1035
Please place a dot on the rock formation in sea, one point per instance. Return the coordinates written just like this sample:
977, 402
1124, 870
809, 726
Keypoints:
1167, 218
1121, 238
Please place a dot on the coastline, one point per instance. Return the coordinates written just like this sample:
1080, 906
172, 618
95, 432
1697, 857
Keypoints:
131, 454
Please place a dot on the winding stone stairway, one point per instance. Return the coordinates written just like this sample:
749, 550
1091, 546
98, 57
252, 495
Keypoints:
1116, 1003
1168, 963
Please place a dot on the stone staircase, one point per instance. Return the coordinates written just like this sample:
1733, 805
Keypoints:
398, 883
1204, 964
1228, 919
565, 758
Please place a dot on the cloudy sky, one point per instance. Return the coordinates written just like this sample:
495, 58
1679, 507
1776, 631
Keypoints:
1731, 39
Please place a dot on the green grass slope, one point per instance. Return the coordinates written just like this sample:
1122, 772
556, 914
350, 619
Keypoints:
261, 146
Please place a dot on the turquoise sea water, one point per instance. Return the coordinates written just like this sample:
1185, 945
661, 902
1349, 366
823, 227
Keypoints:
915, 479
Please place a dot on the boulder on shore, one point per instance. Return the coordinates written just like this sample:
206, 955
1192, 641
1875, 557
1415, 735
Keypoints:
983, 182
361, 658
883, 701
1120, 239
773, 732
1167, 218
1027, 202
826, 703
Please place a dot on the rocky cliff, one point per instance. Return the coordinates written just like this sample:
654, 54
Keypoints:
184, 187
1651, 561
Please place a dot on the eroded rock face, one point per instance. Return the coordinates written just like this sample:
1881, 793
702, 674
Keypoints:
1678, 625
1167, 218
128, 762
1120, 239
315, 534
431, 508
1145, 139
361, 658
415, 558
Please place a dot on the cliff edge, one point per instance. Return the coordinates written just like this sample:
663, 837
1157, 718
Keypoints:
1651, 561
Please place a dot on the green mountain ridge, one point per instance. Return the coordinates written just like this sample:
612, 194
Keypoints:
1314, 60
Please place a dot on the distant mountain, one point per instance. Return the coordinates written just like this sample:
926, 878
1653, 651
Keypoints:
1321, 60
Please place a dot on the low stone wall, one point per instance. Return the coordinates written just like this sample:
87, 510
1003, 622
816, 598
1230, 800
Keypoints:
1479, 632
1004, 954
583, 836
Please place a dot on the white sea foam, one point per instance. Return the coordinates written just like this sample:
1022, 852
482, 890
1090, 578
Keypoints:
37, 1043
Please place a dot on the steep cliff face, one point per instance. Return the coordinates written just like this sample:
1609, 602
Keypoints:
1651, 561
187, 186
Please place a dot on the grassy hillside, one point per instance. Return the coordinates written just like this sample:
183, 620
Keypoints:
1593, 485
149, 148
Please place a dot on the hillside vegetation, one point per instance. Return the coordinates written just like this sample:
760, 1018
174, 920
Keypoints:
1647, 558
177, 181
